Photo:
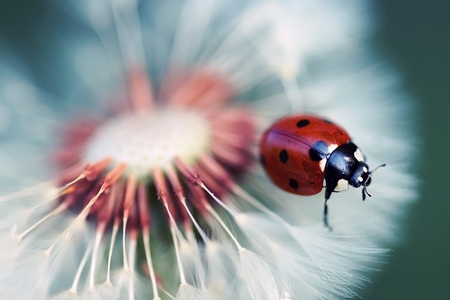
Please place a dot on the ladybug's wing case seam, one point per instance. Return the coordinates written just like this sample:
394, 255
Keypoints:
297, 139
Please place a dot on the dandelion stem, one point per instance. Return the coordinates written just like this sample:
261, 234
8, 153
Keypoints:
98, 238
197, 226
144, 217
167, 294
132, 260
25, 192
148, 257
224, 226
130, 194
251, 200
80, 269
161, 188
91, 171
180, 195
110, 252
124, 247
220, 202
177, 252
54, 212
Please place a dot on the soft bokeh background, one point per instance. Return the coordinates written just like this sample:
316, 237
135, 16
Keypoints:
414, 36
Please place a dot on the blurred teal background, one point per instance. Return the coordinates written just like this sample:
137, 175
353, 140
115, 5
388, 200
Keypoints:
414, 36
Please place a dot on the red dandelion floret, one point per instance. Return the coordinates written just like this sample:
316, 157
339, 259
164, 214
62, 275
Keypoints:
110, 194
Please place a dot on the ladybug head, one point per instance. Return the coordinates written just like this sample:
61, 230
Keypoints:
362, 177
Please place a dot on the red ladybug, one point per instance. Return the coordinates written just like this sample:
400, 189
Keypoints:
301, 153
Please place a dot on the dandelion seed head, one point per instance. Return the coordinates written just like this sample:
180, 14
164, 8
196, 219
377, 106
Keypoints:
148, 140
157, 195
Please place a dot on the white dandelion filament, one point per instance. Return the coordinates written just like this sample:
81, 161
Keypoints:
129, 196
75, 283
111, 248
145, 223
98, 238
132, 261
54, 212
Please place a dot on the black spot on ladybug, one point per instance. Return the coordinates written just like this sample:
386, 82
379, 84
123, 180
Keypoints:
318, 151
293, 184
302, 123
283, 156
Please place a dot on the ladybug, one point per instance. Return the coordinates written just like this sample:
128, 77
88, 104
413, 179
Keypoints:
301, 153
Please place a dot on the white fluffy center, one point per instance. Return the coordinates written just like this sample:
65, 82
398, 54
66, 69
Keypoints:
147, 140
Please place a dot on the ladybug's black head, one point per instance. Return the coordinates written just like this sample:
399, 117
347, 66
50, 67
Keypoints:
362, 177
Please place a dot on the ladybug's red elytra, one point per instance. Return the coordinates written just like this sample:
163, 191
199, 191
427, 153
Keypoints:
301, 153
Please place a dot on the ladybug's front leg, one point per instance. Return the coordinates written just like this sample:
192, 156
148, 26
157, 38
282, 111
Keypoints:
325, 216
328, 192
331, 184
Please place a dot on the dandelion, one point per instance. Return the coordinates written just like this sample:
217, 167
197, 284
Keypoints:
159, 195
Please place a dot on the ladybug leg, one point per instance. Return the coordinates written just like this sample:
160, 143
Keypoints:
331, 184
325, 215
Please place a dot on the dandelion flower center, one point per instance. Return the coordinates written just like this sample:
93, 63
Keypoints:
146, 140
158, 168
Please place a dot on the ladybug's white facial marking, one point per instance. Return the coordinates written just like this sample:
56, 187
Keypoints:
359, 156
332, 147
150, 139
342, 185
322, 164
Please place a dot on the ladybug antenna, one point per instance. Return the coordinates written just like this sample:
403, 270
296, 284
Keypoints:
380, 166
